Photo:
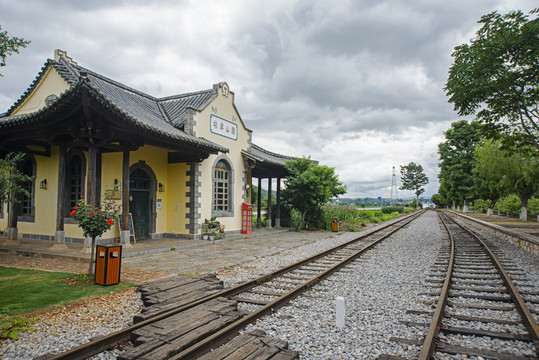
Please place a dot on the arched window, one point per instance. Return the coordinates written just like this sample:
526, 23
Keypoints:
27, 201
222, 189
75, 173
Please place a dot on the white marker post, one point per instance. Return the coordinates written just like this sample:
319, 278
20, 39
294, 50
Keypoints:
340, 312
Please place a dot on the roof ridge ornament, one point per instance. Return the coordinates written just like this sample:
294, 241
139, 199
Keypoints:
63, 54
225, 90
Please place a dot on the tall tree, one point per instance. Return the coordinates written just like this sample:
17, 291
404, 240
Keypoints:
309, 186
522, 172
456, 161
494, 77
413, 178
9, 45
490, 172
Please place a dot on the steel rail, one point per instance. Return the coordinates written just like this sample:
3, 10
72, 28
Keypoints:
100, 344
429, 343
231, 330
527, 318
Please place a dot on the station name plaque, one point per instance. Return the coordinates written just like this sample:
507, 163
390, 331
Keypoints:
223, 127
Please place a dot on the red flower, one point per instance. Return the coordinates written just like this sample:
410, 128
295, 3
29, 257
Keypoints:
82, 196
91, 214
75, 207
72, 213
110, 221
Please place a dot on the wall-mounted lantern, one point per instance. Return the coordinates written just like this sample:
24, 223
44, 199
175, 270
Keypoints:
43, 184
161, 187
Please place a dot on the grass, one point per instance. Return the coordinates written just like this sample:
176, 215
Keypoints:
351, 219
24, 291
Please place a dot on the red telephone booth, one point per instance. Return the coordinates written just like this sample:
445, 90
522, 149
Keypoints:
246, 218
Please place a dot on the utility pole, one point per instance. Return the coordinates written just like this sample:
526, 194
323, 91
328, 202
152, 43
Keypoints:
393, 189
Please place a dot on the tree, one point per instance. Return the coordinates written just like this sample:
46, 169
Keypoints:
522, 172
309, 185
456, 161
489, 172
9, 45
494, 77
438, 200
11, 184
413, 178
94, 221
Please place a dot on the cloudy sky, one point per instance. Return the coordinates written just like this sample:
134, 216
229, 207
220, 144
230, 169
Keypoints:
357, 84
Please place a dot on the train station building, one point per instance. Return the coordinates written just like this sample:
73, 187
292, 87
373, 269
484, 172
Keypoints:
170, 162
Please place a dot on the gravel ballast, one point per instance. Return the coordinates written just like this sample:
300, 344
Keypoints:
378, 288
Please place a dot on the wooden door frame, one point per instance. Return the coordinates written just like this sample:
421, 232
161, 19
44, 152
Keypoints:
152, 221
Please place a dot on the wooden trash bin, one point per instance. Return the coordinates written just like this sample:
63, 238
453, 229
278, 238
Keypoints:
108, 262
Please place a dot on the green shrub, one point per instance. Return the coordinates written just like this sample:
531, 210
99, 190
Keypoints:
392, 209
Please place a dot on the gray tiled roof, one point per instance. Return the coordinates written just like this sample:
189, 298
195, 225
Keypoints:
175, 107
265, 156
161, 116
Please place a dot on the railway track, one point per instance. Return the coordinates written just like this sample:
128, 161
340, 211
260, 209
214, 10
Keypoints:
262, 295
478, 294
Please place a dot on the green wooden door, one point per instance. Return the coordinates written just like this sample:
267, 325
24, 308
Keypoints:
139, 205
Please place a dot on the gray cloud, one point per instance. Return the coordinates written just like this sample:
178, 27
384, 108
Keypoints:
357, 85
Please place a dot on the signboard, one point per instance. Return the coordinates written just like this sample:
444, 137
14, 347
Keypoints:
379, 198
223, 127
131, 229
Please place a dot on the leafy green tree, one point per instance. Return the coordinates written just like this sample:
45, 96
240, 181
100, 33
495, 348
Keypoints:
457, 159
490, 172
438, 200
309, 185
11, 183
522, 172
413, 178
9, 45
495, 76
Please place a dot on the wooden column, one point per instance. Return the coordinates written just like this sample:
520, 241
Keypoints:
61, 189
12, 231
13, 213
268, 215
59, 235
259, 205
124, 226
125, 191
278, 205
91, 185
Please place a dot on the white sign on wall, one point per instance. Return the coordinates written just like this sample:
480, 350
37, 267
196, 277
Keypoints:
223, 127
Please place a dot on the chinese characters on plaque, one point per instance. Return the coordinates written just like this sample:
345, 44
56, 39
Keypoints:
223, 127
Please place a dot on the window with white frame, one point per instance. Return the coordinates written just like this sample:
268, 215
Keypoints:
221, 187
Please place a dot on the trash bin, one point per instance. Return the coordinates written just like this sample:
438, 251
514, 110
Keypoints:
334, 224
108, 261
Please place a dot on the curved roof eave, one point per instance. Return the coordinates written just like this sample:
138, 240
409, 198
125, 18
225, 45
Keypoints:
166, 131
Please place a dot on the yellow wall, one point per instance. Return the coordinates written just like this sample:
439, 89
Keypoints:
223, 107
176, 189
51, 83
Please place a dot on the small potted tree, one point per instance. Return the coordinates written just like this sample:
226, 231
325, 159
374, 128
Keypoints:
94, 221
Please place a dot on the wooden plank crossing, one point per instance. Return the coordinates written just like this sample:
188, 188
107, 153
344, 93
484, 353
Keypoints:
168, 337
166, 294
253, 345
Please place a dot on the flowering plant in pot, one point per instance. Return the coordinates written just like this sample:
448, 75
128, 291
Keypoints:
94, 221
